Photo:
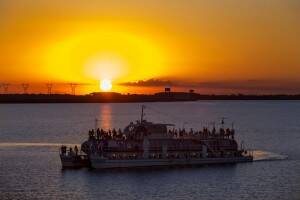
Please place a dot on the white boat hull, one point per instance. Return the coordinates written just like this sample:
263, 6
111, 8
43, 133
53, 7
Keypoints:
102, 163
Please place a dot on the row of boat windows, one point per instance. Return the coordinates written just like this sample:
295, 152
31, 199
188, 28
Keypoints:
172, 145
169, 149
154, 156
172, 156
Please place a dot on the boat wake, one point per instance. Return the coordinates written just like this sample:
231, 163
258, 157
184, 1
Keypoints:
267, 156
257, 154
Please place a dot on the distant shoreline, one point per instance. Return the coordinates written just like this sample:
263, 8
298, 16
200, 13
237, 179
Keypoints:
132, 98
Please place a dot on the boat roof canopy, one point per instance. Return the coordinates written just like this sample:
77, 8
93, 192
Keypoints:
168, 124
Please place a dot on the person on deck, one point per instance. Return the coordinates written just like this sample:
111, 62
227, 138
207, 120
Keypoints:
76, 150
63, 150
71, 153
98, 134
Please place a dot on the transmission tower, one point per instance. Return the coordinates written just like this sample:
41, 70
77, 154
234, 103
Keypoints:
25, 87
5, 87
49, 88
73, 88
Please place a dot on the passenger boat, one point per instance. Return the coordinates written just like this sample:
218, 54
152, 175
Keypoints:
148, 144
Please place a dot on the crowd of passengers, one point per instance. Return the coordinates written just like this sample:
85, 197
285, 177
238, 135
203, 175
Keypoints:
205, 133
69, 151
101, 134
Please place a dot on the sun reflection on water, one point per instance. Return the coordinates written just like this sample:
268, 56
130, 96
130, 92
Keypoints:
105, 116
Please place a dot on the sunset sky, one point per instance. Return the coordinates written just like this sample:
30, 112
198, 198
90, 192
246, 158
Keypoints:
215, 46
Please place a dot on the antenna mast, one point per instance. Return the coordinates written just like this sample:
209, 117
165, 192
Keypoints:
96, 123
142, 115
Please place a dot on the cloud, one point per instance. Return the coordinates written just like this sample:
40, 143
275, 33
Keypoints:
150, 83
234, 86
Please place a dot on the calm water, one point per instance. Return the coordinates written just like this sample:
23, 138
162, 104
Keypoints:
30, 166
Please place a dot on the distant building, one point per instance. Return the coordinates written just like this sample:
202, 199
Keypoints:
168, 91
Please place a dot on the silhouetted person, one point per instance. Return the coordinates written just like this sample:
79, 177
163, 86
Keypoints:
76, 150
71, 151
214, 131
228, 132
119, 132
98, 134
63, 150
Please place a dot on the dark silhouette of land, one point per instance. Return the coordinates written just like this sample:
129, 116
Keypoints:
119, 98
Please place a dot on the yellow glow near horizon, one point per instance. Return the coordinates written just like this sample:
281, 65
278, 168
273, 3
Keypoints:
126, 41
105, 85
105, 53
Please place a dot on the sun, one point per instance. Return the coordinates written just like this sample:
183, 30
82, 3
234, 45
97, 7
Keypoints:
105, 85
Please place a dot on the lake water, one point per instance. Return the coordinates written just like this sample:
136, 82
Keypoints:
30, 135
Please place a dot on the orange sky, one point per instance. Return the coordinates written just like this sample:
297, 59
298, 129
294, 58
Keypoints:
212, 46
